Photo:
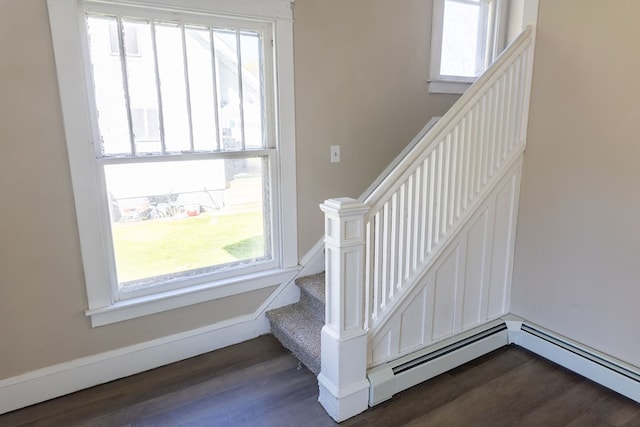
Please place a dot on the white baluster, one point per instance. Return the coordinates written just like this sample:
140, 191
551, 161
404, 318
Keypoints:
344, 388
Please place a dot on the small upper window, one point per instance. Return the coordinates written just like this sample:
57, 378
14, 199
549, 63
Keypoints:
467, 35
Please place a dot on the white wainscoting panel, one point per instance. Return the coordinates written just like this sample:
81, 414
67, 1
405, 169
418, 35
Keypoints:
466, 286
445, 285
476, 273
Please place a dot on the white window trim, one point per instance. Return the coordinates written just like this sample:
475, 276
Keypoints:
65, 18
454, 84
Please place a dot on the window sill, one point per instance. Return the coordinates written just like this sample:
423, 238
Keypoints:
142, 306
448, 86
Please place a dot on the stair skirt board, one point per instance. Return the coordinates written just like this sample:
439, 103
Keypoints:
401, 374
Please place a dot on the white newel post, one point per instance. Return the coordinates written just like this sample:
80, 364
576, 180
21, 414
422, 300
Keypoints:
344, 388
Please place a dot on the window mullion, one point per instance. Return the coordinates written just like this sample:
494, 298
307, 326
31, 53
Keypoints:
188, 156
499, 26
125, 83
469, 2
240, 88
482, 47
263, 116
214, 77
154, 48
187, 85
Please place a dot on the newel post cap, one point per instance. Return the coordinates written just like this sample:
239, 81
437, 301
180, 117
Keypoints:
344, 206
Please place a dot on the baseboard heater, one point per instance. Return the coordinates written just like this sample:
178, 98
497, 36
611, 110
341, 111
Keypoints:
405, 372
590, 363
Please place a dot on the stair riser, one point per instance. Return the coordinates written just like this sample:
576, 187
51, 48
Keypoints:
298, 350
298, 326
314, 306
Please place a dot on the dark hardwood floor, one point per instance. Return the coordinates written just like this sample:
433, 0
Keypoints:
258, 383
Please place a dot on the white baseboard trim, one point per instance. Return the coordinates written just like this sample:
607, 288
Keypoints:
600, 368
313, 261
343, 404
58, 380
68, 377
64, 378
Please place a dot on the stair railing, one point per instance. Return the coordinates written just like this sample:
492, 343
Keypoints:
423, 201
377, 249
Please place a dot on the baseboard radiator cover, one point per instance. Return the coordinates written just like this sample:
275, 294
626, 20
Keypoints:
405, 372
603, 369
398, 375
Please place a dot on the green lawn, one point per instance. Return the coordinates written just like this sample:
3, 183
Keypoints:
155, 247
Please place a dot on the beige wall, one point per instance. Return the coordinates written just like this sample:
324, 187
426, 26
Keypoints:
42, 293
577, 265
361, 82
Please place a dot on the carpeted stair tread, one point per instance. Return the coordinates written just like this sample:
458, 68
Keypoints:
298, 329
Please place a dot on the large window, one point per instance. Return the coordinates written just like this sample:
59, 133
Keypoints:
467, 35
185, 194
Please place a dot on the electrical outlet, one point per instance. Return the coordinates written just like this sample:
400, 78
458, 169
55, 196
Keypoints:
335, 154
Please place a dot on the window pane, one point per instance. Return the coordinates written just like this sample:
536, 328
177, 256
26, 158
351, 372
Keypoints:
145, 124
177, 219
173, 88
143, 95
130, 40
226, 53
252, 89
201, 88
108, 86
460, 39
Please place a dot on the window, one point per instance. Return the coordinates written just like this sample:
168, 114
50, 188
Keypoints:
180, 146
467, 35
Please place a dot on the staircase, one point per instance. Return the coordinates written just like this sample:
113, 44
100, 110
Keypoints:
298, 326
425, 255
